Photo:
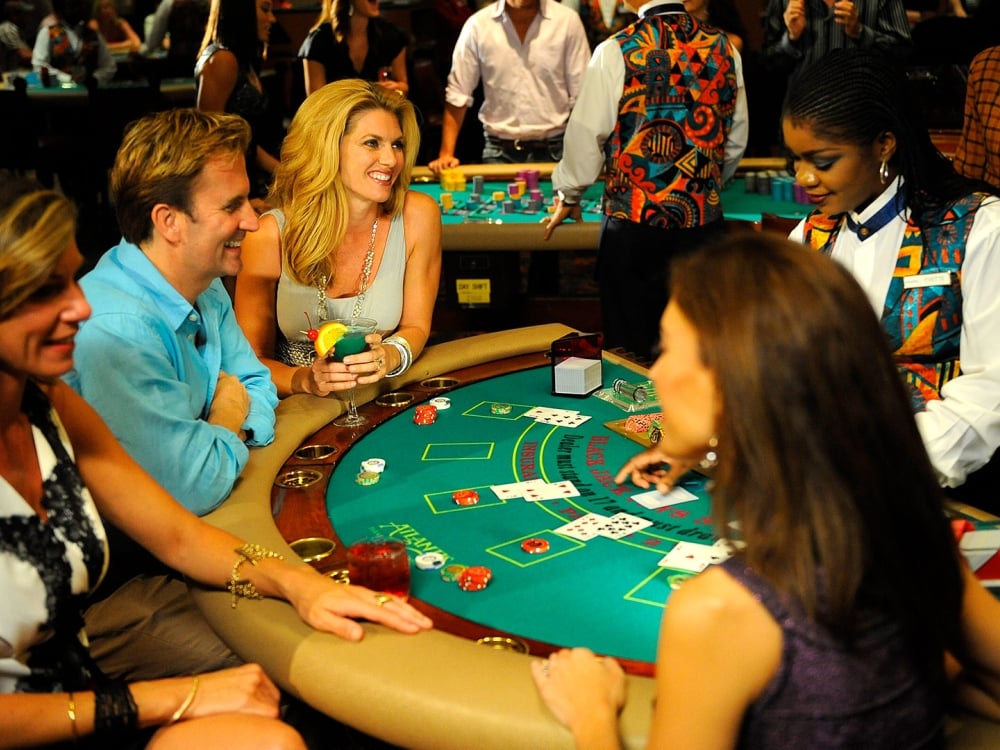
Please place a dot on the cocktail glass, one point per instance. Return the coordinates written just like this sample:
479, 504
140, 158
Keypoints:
352, 342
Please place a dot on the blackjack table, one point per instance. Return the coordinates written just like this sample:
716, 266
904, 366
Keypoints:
466, 683
483, 225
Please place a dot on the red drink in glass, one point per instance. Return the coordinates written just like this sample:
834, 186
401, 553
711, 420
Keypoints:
381, 565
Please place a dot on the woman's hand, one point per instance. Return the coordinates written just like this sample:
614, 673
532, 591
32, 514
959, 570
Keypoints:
654, 467
584, 692
329, 606
245, 689
327, 376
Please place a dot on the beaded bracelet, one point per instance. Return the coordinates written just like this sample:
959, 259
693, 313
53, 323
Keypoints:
402, 346
251, 553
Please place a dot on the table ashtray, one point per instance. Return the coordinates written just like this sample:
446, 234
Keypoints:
298, 478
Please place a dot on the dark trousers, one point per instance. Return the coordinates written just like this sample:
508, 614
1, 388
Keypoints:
633, 273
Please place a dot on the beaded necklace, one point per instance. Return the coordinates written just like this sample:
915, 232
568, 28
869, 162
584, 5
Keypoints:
366, 270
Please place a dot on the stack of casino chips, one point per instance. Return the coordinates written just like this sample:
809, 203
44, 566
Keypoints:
425, 414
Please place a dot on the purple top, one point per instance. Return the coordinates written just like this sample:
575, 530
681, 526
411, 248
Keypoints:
826, 695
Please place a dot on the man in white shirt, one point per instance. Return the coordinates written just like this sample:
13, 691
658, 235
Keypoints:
530, 56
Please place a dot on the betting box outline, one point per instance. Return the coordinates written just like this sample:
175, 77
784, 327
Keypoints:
431, 446
450, 506
570, 545
513, 416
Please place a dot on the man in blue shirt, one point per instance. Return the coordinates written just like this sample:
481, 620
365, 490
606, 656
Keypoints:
162, 358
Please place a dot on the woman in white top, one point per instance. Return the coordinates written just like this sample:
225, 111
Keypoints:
61, 473
346, 238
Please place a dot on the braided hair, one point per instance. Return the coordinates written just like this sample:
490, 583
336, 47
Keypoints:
855, 96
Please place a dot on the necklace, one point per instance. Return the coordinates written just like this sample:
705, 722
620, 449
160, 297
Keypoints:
366, 270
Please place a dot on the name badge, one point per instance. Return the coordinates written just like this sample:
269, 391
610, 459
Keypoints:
941, 278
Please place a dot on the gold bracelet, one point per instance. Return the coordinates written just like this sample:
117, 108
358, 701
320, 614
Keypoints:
251, 553
176, 716
71, 712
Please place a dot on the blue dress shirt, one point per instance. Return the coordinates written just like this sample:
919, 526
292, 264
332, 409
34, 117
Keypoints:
148, 362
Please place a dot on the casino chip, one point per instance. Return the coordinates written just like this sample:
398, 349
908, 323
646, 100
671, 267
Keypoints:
450, 573
374, 465
535, 545
429, 561
367, 478
475, 578
441, 402
465, 497
639, 422
500, 409
425, 414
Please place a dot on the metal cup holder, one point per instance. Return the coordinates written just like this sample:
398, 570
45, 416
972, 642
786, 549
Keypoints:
504, 643
298, 478
439, 383
395, 399
313, 548
315, 452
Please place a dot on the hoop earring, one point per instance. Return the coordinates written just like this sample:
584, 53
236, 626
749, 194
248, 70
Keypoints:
883, 172
711, 458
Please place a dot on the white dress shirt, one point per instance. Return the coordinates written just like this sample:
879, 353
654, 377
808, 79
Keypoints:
962, 430
529, 88
596, 114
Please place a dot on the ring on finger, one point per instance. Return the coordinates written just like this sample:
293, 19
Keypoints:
382, 599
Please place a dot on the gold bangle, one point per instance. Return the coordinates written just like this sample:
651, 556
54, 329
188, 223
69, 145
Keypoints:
176, 716
71, 712
251, 553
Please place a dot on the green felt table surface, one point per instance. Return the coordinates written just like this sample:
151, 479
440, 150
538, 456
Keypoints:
736, 203
605, 594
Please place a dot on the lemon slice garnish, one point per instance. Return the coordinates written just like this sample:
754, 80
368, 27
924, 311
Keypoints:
328, 336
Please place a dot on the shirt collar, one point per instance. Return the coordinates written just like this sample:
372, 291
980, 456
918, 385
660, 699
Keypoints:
879, 212
656, 7
501, 6
133, 262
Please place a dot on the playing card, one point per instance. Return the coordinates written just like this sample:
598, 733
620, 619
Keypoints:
514, 490
622, 524
693, 557
546, 411
563, 420
550, 491
583, 528
655, 499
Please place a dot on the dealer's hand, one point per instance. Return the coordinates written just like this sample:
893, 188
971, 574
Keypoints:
561, 213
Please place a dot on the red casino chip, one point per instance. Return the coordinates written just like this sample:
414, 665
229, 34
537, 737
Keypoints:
475, 578
465, 497
425, 414
639, 422
535, 546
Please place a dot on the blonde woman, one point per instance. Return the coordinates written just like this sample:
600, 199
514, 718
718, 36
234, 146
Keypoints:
346, 238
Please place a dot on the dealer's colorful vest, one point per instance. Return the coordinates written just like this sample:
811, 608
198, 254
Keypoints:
924, 323
664, 158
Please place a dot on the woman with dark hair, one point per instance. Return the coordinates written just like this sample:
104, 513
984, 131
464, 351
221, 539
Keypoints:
228, 75
351, 40
922, 240
834, 623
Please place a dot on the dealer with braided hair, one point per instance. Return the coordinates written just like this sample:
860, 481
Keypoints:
923, 241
